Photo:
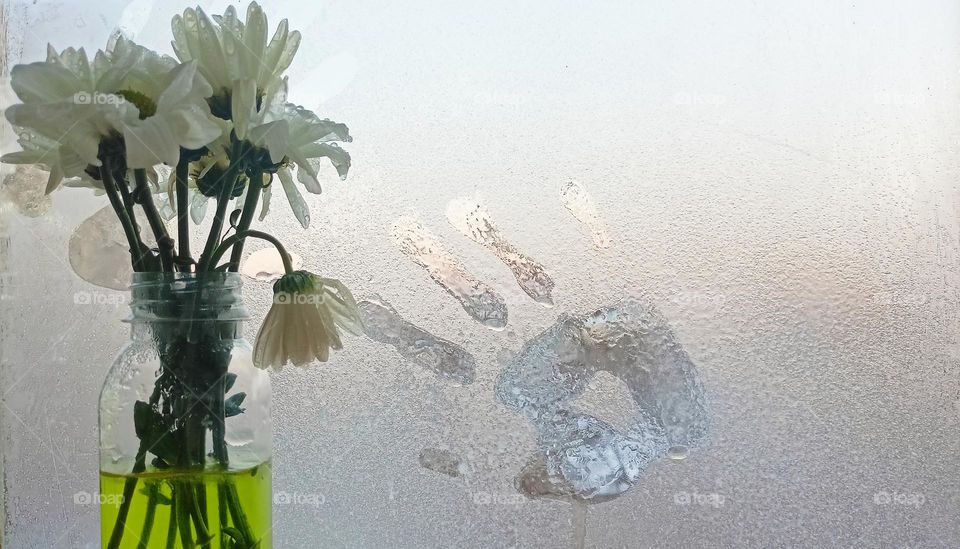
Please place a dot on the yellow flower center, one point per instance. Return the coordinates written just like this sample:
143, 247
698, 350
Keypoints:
144, 104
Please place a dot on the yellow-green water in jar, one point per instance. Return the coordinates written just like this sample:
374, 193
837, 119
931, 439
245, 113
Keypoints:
204, 509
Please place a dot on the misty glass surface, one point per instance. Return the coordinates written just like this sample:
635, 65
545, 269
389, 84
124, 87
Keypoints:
699, 260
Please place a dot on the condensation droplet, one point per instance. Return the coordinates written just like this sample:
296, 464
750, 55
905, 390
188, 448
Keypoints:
266, 265
678, 452
471, 218
480, 301
578, 202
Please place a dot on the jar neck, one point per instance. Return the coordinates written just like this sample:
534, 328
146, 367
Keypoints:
208, 331
187, 305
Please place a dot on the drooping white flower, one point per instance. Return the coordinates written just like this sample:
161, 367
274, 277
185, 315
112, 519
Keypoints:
302, 325
235, 57
71, 105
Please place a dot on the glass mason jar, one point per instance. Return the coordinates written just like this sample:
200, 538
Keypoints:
185, 430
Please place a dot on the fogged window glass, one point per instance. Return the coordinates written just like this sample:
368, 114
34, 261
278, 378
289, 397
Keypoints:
633, 275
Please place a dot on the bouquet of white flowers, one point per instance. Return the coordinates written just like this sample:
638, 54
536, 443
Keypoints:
219, 121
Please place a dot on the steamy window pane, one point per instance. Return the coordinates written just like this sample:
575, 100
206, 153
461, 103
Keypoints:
632, 274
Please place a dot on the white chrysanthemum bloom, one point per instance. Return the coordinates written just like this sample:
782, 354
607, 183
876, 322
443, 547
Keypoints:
302, 325
295, 137
235, 57
246, 73
71, 105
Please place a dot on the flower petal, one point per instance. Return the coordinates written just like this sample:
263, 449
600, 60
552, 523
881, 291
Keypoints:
338, 157
243, 104
151, 142
299, 206
198, 206
265, 201
186, 85
43, 82
273, 137
254, 40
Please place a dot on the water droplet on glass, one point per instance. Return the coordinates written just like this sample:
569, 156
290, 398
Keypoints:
678, 452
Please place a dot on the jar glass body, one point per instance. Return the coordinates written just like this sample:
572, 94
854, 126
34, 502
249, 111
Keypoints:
185, 427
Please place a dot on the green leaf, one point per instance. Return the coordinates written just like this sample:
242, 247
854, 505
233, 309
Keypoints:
228, 380
231, 406
153, 431
143, 416
236, 537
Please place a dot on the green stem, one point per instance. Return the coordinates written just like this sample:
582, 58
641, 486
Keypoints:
203, 534
222, 506
201, 496
183, 515
133, 239
223, 200
148, 520
128, 202
129, 488
236, 510
144, 197
246, 217
240, 235
219, 424
183, 210
172, 525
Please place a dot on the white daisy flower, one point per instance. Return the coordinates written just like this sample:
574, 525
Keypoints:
71, 106
246, 73
235, 57
302, 325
